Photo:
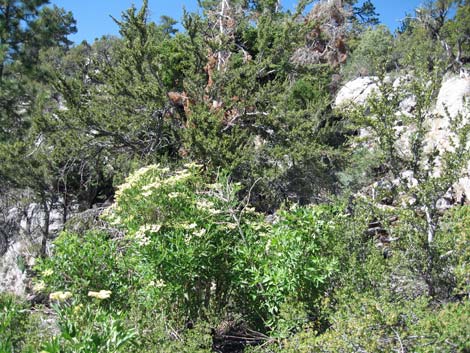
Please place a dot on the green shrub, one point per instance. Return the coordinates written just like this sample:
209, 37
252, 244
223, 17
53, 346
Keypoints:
187, 249
14, 319
290, 269
94, 330
82, 263
182, 237
372, 54
89, 329
366, 323
457, 230
22, 327
445, 329
197, 247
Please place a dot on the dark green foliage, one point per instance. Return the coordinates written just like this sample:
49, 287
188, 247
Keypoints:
275, 127
350, 253
22, 328
436, 35
372, 54
13, 320
366, 14
26, 27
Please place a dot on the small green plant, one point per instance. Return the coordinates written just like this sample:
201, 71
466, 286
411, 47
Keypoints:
83, 263
13, 321
289, 267
88, 329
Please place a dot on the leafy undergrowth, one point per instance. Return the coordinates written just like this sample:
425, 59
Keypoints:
184, 266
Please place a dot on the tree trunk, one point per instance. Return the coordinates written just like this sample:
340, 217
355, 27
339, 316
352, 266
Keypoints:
45, 229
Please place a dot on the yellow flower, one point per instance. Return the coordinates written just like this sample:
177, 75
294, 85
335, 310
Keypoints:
39, 286
60, 296
102, 294
77, 308
231, 225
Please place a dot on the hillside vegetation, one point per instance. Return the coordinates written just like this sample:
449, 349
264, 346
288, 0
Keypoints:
256, 180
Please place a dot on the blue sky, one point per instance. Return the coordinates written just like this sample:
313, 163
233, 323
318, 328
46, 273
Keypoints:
93, 16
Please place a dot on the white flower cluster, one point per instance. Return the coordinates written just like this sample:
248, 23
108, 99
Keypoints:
150, 188
199, 233
188, 226
193, 165
157, 181
153, 228
142, 239
48, 272
179, 175
204, 204
102, 294
172, 180
231, 225
39, 286
141, 235
115, 220
60, 296
215, 186
109, 211
158, 284
132, 179
208, 206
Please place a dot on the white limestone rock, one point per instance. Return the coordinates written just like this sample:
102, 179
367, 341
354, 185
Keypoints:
454, 97
356, 91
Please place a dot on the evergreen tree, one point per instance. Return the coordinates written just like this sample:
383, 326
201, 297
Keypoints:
27, 28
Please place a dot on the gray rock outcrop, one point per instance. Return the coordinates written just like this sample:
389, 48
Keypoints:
356, 91
453, 102
21, 233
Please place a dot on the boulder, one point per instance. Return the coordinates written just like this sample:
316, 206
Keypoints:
454, 97
356, 91
21, 233
462, 190
13, 266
